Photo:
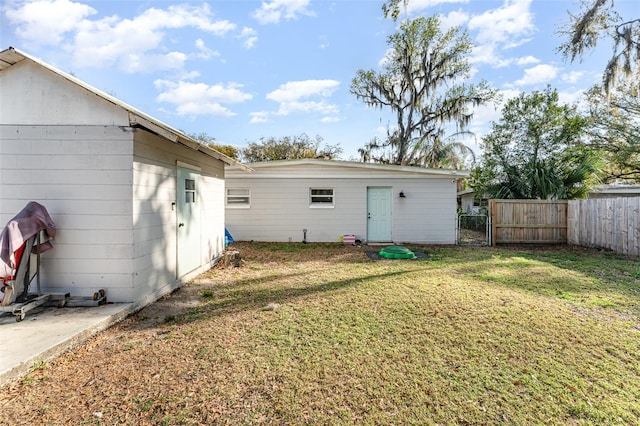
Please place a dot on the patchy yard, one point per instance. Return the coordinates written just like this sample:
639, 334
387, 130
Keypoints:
320, 334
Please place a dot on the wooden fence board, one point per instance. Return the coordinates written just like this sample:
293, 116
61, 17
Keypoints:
610, 223
528, 221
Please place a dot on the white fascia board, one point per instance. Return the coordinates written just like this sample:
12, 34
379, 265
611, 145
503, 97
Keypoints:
345, 169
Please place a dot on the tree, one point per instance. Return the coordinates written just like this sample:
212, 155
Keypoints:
289, 148
598, 20
449, 154
391, 8
422, 82
614, 130
535, 151
228, 150
204, 139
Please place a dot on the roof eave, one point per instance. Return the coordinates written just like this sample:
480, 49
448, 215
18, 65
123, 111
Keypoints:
460, 174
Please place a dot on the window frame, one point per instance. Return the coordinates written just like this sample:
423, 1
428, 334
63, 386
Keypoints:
240, 205
322, 204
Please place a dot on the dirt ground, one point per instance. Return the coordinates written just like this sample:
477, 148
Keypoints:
171, 305
111, 372
94, 369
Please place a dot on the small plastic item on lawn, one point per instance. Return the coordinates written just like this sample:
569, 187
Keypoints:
396, 252
348, 239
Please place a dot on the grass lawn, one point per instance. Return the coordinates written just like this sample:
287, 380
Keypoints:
320, 334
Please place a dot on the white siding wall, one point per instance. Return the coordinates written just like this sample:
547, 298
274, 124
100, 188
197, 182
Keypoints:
154, 216
428, 213
72, 151
83, 176
466, 203
280, 209
31, 94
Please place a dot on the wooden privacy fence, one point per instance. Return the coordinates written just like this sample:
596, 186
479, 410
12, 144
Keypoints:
610, 223
528, 221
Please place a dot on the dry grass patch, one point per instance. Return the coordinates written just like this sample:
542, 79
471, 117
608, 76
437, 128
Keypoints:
320, 334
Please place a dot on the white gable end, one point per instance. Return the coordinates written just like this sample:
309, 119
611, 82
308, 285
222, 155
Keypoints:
32, 94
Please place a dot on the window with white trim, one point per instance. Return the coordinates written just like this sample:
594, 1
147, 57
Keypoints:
321, 197
239, 197
189, 191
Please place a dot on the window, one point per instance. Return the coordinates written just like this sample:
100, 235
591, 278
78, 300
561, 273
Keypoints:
321, 197
189, 191
238, 197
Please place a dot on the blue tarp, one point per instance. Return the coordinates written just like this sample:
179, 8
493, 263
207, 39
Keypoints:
228, 239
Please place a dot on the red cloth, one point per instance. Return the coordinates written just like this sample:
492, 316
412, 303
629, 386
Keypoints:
31, 220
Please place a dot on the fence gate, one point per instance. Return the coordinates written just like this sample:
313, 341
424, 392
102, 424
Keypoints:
473, 230
528, 221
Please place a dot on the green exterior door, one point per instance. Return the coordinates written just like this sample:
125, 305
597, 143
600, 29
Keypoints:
188, 220
379, 214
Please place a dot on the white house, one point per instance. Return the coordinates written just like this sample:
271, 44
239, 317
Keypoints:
139, 206
466, 199
279, 200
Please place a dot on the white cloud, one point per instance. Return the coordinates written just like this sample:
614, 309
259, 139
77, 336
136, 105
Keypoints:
455, 18
259, 117
500, 29
114, 41
527, 60
140, 63
133, 45
295, 90
486, 54
45, 22
330, 120
419, 5
274, 11
250, 37
504, 24
322, 107
572, 77
538, 74
292, 96
199, 98
324, 42
380, 131
204, 51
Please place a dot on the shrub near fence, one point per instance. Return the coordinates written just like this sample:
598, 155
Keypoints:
610, 223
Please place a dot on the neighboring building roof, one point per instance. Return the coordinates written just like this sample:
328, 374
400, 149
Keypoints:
288, 168
137, 118
615, 190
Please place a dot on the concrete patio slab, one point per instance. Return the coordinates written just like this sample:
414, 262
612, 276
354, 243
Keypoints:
47, 332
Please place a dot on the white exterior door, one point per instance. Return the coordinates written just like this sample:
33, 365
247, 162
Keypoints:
188, 220
378, 214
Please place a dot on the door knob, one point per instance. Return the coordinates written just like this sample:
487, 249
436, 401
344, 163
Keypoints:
180, 225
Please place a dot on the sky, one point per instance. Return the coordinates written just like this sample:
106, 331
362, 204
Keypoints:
240, 70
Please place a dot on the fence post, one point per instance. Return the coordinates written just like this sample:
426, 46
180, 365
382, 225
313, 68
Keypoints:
492, 209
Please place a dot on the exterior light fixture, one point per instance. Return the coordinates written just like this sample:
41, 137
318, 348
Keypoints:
402, 195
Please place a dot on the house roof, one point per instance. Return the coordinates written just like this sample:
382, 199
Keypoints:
614, 190
137, 118
280, 166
